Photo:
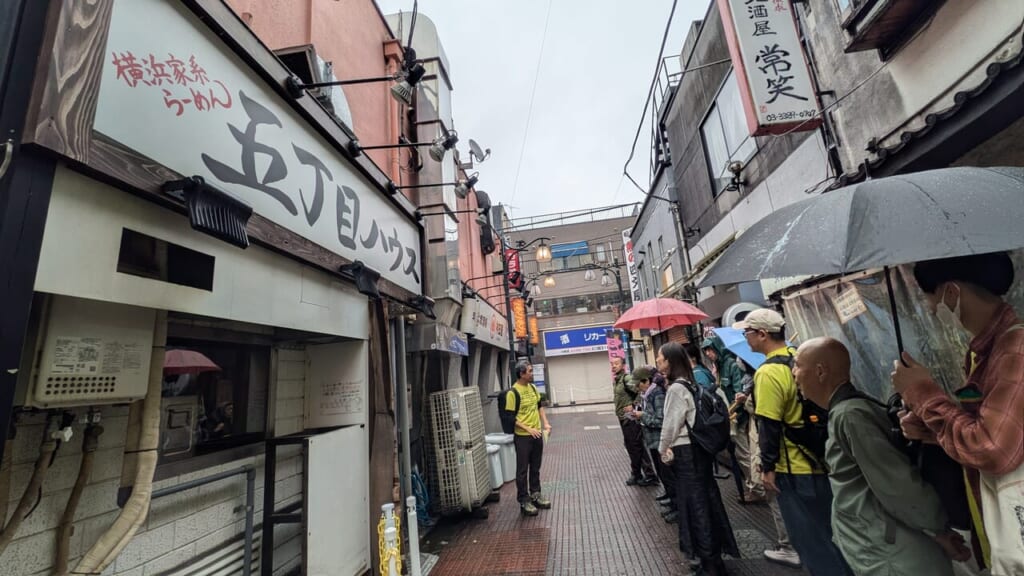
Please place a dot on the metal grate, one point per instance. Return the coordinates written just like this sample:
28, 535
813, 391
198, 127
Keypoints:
479, 474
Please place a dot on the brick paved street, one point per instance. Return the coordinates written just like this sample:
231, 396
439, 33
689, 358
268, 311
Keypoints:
597, 526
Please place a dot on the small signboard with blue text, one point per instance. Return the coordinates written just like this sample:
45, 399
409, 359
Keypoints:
576, 341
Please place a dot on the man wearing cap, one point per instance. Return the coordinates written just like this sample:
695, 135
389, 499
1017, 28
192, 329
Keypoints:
625, 394
788, 470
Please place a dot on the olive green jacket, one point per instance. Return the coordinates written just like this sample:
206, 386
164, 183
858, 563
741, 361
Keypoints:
882, 511
624, 393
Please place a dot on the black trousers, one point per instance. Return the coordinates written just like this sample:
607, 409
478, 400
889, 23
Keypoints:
633, 438
529, 452
704, 528
665, 474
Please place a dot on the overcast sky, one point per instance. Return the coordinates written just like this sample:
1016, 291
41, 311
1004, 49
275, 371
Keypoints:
597, 63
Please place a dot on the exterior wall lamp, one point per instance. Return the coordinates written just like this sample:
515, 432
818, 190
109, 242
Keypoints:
211, 210
462, 187
402, 91
438, 147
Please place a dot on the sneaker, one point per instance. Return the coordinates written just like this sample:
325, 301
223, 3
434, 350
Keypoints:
783, 555
647, 481
671, 518
540, 501
663, 499
752, 498
631, 481
528, 509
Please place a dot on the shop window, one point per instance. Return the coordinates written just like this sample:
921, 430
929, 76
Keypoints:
668, 277
214, 397
725, 134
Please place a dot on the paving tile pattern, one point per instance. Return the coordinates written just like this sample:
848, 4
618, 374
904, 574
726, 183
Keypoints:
597, 525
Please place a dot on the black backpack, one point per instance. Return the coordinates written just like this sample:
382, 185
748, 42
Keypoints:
508, 417
809, 438
710, 428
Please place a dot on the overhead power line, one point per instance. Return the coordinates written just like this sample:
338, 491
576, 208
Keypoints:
533, 95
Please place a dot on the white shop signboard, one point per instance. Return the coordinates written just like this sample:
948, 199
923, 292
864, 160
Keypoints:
484, 322
175, 93
774, 80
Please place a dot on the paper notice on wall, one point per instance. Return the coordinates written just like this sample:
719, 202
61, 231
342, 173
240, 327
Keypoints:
341, 397
848, 304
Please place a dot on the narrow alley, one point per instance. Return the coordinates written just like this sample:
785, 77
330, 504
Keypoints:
597, 525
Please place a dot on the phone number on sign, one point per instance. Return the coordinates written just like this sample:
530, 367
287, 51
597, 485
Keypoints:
782, 116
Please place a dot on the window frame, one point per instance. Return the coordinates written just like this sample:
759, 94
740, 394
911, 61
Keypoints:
714, 109
238, 446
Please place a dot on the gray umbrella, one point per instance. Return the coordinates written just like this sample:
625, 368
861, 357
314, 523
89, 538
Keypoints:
882, 222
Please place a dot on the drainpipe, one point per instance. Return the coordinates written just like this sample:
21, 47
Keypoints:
113, 541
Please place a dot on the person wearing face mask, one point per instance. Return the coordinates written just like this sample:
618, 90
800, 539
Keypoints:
982, 428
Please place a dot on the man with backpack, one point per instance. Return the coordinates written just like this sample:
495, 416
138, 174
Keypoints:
522, 407
790, 469
886, 519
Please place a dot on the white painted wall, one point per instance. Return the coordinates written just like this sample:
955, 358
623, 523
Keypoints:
82, 240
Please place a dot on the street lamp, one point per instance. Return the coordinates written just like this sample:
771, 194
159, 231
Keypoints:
543, 254
549, 281
535, 291
606, 280
589, 275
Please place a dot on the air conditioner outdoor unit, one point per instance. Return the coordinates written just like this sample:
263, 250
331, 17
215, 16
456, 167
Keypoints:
89, 352
460, 453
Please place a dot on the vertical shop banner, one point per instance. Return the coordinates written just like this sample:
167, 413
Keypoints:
634, 278
515, 269
774, 79
616, 348
534, 332
519, 318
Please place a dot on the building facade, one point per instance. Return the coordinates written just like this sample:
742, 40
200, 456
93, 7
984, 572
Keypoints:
208, 314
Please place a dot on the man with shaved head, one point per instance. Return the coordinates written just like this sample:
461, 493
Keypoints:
885, 518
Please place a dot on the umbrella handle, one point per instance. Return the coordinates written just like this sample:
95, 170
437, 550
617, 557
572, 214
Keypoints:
895, 315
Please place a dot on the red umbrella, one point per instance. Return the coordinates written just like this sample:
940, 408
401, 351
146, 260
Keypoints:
187, 362
660, 314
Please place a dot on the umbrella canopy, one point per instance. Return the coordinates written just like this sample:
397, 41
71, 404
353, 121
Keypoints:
660, 314
736, 342
882, 222
187, 362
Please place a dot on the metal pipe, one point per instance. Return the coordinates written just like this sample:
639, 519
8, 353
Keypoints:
250, 502
402, 399
250, 511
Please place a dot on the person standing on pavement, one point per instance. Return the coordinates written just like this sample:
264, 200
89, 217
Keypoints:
701, 375
625, 395
981, 427
804, 493
885, 518
651, 385
704, 529
783, 552
529, 440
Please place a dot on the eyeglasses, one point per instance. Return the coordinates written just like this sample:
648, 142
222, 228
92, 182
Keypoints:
751, 331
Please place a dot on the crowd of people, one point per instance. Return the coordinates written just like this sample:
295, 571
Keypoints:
840, 470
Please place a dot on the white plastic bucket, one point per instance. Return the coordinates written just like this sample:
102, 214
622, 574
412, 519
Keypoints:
494, 458
508, 454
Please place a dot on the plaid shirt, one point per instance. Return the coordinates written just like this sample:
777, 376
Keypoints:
986, 434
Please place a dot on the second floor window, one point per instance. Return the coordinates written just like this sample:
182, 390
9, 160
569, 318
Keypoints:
725, 134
